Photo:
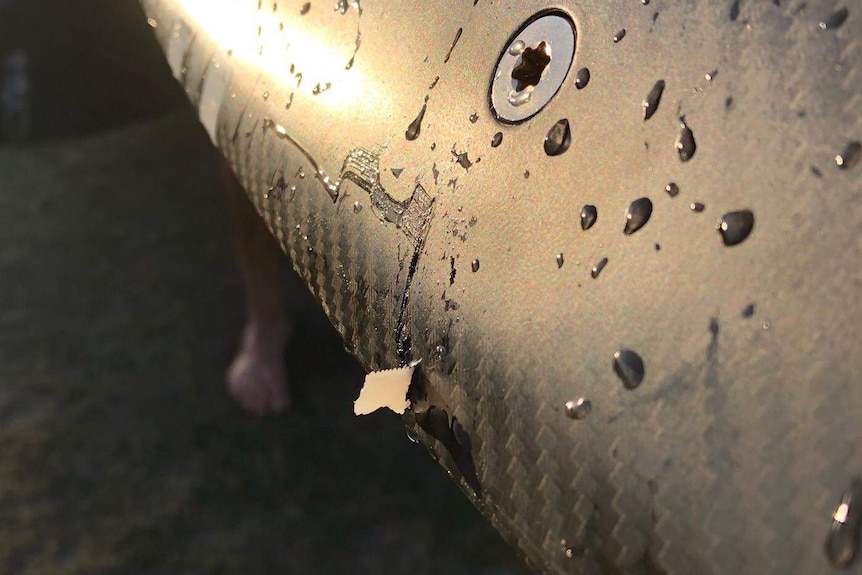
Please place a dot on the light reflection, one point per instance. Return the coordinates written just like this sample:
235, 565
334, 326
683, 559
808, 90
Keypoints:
262, 40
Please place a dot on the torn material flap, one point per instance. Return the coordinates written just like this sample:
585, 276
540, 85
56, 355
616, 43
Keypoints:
385, 389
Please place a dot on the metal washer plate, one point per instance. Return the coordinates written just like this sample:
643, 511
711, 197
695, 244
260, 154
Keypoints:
558, 31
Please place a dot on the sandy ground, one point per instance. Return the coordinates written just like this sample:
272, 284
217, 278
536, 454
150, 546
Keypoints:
119, 312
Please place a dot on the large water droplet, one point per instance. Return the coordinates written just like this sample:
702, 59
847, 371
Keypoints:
589, 215
835, 20
579, 409
416, 125
559, 138
842, 542
653, 99
597, 269
672, 190
637, 215
735, 226
497, 139
850, 156
685, 144
629, 367
582, 78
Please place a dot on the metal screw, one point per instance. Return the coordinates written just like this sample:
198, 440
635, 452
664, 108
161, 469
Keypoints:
532, 67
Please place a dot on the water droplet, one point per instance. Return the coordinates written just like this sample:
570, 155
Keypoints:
748, 311
357, 207
474, 266
734, 11
735, 226
454, 43
597, 269
842, 542
645, 2
850, 156
526, 174
558, 139
517, 98
589, 215
411, 435
620, 35
672, 190
416, 125
579, 409
517, 48
629, 367
305, 8
835, 20
321, 88
152, 22
440, 351
685, 144
560, 260
637, 215
474, 117
582, 78
657, 247
265, 96
653, 99
497, 139
697, 207
710, 76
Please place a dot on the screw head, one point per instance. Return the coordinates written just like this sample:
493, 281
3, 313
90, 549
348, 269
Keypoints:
532, 67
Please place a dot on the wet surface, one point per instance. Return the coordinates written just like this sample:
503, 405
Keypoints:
122, 453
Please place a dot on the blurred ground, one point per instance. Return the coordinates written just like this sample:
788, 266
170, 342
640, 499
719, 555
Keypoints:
119, 311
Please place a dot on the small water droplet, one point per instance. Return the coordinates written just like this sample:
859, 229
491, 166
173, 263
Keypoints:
560, 260
735, 227
657, 247
597, 269
685, 144
645, 2
559, 138
526, 174
842, 541
440, 351
582, 78
710, 76
517, 98
265, 96
579, 409
697, 207
517, 48
415, 126
620, 35
589, 215
321, 88
474, 266
835, 20
672, 190
637, 215
653, 99
411, 435
474, 117
357, 207
497, 139
305, 8
629, 367
748, 311
850, 156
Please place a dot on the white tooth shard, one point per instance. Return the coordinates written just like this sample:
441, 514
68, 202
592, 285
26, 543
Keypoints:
384, 389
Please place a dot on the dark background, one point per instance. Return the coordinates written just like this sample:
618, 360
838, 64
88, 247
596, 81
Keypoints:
120, 308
